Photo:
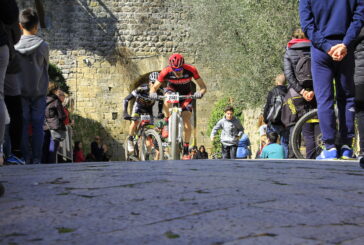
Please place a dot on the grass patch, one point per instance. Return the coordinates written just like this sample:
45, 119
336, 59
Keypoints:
171, 235
62, 230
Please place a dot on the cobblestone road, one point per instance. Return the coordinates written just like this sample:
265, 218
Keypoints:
184, 202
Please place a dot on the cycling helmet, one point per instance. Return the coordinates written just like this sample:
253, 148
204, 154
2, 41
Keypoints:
153, 76
176, 61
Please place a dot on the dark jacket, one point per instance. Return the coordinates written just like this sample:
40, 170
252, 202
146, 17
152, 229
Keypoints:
359, 59
34, 60
328, 22
202, 155
9, 14
283, 90
54, 114
291, 57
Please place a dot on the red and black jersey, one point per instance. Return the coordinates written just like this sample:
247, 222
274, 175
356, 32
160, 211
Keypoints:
182, 84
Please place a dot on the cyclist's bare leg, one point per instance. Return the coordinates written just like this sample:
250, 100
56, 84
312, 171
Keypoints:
132, 128
187, 127
166, 107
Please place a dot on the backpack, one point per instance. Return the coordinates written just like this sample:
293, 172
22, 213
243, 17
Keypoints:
276, 104
303, 70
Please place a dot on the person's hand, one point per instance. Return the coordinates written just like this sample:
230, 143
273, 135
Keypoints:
198, 95
127, 116
153, 96
338, 52
160, 115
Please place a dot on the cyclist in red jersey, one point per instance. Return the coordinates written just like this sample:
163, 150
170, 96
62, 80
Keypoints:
178, 77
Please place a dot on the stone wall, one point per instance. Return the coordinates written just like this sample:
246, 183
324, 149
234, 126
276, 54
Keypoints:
104, 46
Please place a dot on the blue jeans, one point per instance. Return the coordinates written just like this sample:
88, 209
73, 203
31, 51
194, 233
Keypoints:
283, 135
33, 114
324, 71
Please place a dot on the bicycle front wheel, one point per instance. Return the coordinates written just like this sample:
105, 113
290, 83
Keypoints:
306, 137
151, 147
175, 149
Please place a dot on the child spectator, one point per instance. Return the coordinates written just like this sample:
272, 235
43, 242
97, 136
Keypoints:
273, 150
243, 150
34, 61
194, 152
231, 131
78, 155
202, 153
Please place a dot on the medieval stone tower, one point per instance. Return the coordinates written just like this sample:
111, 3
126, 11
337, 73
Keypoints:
104, 47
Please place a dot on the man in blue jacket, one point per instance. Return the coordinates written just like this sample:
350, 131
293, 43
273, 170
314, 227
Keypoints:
332, 26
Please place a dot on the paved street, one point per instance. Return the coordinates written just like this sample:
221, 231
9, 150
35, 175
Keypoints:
184, 202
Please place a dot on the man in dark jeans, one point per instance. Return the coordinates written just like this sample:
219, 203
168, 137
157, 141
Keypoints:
332, 31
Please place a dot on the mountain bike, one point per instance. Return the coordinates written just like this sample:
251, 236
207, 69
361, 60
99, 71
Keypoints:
297, 141
147, 142
175, 125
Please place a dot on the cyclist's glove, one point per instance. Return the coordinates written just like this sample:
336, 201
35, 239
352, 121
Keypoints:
127, 116
153, 96
197, 95
160, 115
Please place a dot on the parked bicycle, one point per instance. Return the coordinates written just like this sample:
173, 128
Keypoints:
147, 142
297, 139
175, 125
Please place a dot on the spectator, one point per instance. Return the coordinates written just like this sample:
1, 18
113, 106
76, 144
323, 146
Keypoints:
97, 150
332, 32
300, 97
359, 90
273, 150
8, 15
277, 94
243, 150
194, 152
202, 153
231, 131
262, 129
78, 155
66, 103
34, 60
105, 153
53, 123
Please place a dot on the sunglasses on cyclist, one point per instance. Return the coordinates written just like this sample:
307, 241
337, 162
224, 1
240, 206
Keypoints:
178, 69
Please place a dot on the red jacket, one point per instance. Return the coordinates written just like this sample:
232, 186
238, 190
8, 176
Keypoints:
78, 156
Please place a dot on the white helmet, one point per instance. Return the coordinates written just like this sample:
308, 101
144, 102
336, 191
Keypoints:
153, 76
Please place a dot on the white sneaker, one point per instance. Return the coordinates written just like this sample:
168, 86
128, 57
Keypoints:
130, 145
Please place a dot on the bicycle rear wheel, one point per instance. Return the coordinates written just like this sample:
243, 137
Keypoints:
151, 146
297, 137
175, 149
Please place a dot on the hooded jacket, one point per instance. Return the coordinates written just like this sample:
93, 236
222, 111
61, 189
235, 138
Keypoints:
34, 61
54, 114
291, 58
231, 131
9, 14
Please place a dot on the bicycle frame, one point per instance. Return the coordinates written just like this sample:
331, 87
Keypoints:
175, 126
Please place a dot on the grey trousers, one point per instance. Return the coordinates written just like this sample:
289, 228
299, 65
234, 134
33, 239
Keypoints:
4, 60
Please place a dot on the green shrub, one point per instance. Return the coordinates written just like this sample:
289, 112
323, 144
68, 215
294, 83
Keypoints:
55, 75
